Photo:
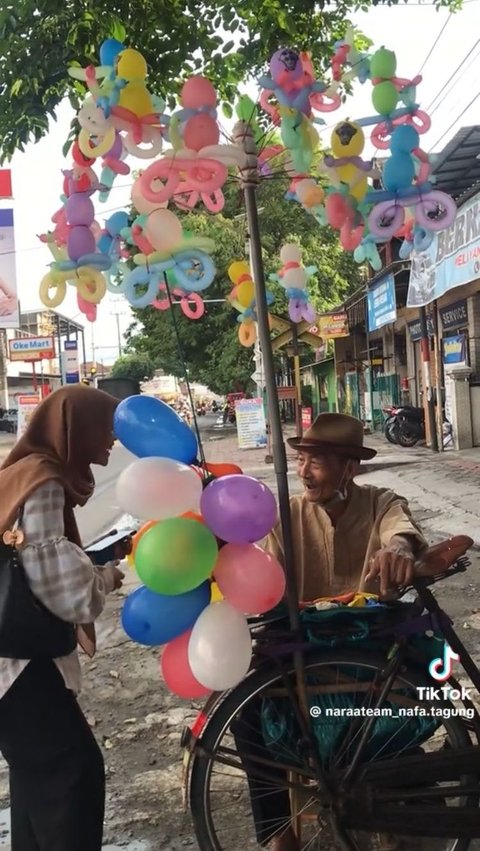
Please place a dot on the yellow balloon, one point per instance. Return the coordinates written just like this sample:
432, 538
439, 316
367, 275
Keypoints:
136, 99
347, 140
360, 190
131, 65
246, 293
131, 561
216, 594
237, 269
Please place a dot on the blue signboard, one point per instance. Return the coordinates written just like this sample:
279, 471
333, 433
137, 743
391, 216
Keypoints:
454, 349
382, 305
70, 362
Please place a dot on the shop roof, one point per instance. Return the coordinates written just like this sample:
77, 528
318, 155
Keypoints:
457, 167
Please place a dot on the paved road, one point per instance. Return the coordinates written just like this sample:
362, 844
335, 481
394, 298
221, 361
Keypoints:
102, 512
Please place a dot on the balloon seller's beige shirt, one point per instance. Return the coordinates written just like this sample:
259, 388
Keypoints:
334, 560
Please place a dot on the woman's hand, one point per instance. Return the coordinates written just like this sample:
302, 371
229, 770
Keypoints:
112, 576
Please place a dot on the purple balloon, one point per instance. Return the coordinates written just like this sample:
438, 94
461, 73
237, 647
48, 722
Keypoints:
238, 509
80, 210
116, 150
80, 241
285, 65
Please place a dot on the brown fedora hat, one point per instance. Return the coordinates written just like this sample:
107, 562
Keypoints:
337, 434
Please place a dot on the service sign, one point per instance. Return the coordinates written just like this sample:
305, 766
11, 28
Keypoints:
32, 348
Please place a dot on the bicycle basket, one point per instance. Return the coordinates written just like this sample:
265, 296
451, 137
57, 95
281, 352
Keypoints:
344, 627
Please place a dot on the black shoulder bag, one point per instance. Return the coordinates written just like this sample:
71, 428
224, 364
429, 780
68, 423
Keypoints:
28, 630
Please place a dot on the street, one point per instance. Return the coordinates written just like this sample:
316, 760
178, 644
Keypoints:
139, 724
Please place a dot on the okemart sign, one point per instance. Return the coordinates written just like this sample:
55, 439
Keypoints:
32, 348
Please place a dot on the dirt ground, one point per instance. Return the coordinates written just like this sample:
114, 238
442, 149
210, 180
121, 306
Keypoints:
138, 723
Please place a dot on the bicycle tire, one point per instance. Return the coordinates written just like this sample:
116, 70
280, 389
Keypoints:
252, 687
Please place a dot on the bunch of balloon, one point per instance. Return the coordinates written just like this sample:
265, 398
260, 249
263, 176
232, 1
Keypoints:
242, 297
196, 532
196, 167
164, 247
405, 178
294, 277
348, 172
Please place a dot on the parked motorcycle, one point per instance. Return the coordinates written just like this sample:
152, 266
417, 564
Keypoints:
404, 425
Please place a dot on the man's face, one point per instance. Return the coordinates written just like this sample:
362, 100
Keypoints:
322, 475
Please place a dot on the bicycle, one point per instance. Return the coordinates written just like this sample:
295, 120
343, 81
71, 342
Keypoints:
365, 790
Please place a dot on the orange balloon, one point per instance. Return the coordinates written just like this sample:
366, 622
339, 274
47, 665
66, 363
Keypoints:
192, 515
139, 534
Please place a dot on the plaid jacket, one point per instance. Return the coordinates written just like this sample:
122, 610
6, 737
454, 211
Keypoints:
60, 575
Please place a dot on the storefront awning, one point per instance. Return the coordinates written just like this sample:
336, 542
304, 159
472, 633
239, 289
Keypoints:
457, 167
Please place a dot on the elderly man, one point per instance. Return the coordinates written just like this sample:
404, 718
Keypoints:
346, 538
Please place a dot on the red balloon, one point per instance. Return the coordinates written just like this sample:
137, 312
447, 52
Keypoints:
176, 671
219, 470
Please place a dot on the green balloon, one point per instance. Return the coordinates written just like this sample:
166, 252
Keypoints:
176, 556
385, 98
383, 64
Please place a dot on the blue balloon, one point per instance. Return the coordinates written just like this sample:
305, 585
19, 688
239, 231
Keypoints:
109, 51
154, 619
151, 429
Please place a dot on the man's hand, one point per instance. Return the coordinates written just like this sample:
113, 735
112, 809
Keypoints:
393, 566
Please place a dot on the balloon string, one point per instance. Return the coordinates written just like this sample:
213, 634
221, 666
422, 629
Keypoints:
189, 389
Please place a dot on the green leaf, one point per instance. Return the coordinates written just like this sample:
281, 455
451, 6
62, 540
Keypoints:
119, 32
15, 88
227, 110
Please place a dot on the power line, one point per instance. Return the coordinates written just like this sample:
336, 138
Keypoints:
441, 91
436, 42
455, 121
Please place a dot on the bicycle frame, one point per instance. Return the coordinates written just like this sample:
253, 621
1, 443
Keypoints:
433, 618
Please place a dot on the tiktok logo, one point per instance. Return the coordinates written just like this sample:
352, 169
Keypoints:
441, 668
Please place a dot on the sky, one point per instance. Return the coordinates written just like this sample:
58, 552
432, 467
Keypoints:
444, 48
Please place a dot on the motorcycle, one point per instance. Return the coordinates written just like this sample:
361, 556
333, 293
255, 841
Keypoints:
404, 425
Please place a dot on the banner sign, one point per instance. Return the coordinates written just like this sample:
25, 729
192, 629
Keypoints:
71, 371
454, 350
382, 305
26, 408
454, 316
9, 315
31, 348
331, 326
415, 329
452, 259
306, 418
251, 425
5, 183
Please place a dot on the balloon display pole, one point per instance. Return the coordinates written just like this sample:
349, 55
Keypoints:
244, 138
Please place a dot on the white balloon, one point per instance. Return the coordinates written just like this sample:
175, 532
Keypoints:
290, 253
220, 647
157, 488
294, 279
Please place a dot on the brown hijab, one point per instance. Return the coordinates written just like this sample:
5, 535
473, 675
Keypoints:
59, 443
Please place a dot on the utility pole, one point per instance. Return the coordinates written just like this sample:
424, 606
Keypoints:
427, 379
249, 175
4, 400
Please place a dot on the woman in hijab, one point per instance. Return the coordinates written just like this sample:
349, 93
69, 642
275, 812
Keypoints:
57, 781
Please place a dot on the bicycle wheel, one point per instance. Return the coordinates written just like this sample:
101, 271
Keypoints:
227, 814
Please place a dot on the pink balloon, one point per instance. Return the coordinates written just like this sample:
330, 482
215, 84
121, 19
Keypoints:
250, 579
176, 671
164, 230
198, 91
200, 131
